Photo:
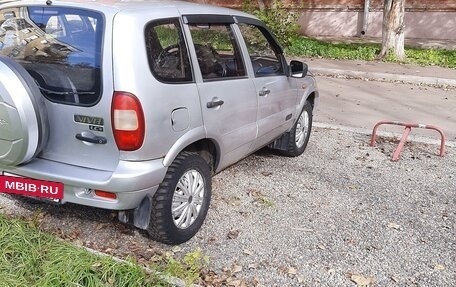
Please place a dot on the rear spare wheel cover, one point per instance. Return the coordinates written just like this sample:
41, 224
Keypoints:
23, 120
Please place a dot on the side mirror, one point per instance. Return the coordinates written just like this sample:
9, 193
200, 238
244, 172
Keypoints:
298, 69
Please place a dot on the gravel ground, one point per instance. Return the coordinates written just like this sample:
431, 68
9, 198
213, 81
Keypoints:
341, 213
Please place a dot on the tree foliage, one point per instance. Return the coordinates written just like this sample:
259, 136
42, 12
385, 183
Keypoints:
283, 22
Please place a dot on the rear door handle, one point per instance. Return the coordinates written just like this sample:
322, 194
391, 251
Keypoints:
94, 140
214, 103
264, 92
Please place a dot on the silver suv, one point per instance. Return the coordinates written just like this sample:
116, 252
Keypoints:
133, 106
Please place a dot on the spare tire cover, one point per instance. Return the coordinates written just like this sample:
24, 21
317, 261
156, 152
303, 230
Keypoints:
23, 121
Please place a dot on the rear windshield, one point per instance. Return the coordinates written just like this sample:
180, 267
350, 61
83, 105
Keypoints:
59, 47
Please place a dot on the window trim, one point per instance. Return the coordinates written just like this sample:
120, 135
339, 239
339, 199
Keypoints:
195, 19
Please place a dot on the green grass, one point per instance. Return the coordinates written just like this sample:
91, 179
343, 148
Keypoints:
306, 47
189, 268
30, 258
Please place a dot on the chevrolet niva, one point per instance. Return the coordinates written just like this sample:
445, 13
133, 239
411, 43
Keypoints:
133, 105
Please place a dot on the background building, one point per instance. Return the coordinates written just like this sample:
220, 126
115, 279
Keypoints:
424, 19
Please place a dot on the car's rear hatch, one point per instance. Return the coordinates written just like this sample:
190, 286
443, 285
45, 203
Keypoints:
63, 50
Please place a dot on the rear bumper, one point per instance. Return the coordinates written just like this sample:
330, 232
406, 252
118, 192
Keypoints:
131, 181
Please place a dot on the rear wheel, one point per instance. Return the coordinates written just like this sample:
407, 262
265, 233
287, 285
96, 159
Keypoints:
300, 133
181, 202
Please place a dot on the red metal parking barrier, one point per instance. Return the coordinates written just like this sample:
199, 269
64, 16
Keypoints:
407, 130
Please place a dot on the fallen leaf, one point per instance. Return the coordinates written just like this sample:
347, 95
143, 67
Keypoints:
101, 226
393, 225
247, 252
254, 193
362, 280
233, 234
212, 279
236, 268
292, 271
439, 267
322, 247
177, 249
233, 200
266, 173
226, 269
303, 229
253, 266
237, 283
255, 281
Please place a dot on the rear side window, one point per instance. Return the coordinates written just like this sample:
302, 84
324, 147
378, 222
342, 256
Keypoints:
59, 47
167, 51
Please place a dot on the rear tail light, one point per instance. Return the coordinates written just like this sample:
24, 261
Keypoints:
128, 121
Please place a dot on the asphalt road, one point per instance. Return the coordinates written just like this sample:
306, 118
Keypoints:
361, 104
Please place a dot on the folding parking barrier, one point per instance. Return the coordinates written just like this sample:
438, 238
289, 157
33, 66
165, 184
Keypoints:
407, 130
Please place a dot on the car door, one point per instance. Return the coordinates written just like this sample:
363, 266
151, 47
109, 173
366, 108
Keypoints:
228, 100
275, 91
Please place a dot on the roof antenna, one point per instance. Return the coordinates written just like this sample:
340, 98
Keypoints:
49, 2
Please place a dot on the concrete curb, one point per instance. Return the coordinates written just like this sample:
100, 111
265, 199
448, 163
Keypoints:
385, 77
176, 282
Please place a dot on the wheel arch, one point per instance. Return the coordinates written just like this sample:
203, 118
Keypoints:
311, 99
196, 141
208, 150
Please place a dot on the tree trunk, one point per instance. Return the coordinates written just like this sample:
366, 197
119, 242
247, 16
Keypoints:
393, 29
261, 4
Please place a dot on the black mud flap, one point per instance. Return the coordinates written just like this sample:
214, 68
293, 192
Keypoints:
138, 217
281, 143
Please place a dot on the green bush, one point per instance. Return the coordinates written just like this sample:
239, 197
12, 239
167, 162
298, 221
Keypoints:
282, 22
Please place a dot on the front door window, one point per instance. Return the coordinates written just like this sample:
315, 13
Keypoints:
266, 60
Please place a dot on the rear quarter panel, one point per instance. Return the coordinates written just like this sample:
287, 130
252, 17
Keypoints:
132, 74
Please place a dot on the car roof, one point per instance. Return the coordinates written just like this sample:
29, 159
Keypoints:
183, 7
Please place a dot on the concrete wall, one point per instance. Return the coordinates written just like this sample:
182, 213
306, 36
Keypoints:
415, 5
420, 25
424, 19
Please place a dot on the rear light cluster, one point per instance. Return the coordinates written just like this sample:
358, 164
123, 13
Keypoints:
128, 121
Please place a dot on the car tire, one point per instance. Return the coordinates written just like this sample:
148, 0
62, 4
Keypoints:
182, 200
24, 125
300, 133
